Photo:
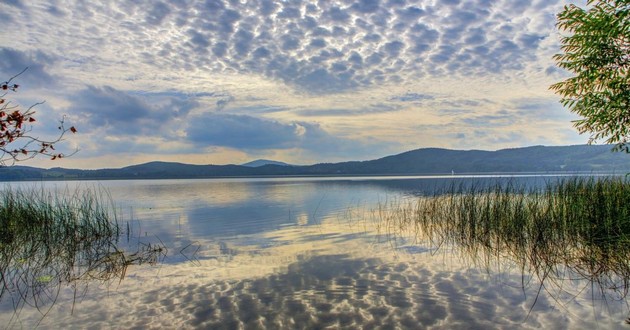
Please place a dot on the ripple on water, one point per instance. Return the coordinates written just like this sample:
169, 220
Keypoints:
335, 291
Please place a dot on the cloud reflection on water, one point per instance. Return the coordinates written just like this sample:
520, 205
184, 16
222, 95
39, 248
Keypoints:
324, 266
328, 291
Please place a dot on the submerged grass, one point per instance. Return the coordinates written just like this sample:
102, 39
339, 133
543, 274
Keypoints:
47, 239
573, 228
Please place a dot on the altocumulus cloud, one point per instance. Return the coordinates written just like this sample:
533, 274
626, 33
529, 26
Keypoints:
339, 63
317, 47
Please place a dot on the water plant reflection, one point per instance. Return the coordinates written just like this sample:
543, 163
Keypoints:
576, 229
48, 241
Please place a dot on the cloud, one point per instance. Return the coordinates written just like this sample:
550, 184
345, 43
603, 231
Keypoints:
251, 134
241, 131
325, 80
35, 63
157, 13
258, 109
306, 45
121, 113
542, 108
223, 101
411, 97
320, 60
366, 110
499, 137
489, 121
15, 3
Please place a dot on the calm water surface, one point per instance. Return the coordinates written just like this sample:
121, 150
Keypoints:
304, 253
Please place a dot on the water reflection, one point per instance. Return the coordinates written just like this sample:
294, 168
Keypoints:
334, 291
225, 208
318, 292
316, 254
561, 249
40, 260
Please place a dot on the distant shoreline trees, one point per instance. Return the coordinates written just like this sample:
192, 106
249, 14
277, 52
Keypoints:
16, 142
597, 52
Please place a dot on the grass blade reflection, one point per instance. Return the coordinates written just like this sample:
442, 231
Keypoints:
572, 229
50, 240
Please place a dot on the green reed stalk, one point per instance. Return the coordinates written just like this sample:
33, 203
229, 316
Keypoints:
48, 239
580, 224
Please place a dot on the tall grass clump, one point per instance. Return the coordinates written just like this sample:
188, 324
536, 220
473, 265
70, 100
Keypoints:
49, 239
572, 228
52, 219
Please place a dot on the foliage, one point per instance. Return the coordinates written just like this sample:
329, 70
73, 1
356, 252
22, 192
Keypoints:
16, 143
597, 51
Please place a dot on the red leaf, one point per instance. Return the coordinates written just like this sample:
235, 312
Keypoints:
73, 130
31, 119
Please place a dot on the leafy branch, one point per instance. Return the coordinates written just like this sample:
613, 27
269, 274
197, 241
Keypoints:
17, 144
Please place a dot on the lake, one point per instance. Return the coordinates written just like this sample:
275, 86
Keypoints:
315, 253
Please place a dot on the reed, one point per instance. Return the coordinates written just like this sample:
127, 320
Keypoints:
27, 214
48, 240
573, 228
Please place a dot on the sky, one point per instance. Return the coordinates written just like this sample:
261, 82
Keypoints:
226, 82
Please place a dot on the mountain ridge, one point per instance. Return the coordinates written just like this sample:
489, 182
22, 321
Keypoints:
424, 161
263, 162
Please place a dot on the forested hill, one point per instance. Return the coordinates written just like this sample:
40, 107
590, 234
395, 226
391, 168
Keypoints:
415, 162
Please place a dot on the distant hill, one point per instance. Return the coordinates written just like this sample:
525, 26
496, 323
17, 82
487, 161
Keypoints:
263, 162
558, 159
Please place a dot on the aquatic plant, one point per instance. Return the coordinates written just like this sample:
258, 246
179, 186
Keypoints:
48, 240
573, 229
